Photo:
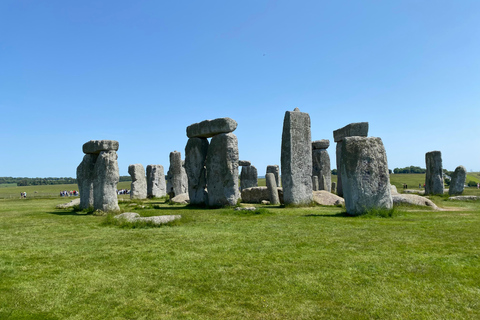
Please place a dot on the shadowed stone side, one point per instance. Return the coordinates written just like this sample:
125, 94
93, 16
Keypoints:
275, 169
139, 182
248, 177
156, 181
434, 173
321, 168
85, 177
366, 182
272, 188
195, 156
105, 182
177, 177
244, 163
96, 146
315, 183
210, 128
296, 158
222, 170
458, 181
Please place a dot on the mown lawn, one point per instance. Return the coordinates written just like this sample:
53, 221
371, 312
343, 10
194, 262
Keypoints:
289, 263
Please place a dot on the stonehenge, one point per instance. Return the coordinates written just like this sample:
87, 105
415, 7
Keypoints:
364, 170
321, 164
275, 169
212, 168
98, 175
296, 158
434, 173
457, 182
359, 129
139, 181
156, 187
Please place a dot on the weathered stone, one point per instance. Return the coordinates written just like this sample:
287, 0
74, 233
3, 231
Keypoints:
321, 168
156, 181
138, 189
105, 182
296, 158
366, 181
413, 199
176, 176
128, 216
458, 181
222, 170
181, 199
255, 195
85, 178
334, 187
321, 144
245, 209
315, 183
133, 217
96, 146
357, 129
339, 186
265, 202
195, 157
244, 163
210, 128
272, 188
465, 198
248, 177
434, 173
393, 189
326, 198
71, 204
275, 169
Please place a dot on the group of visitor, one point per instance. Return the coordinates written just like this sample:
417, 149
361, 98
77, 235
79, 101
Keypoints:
71, 193
23, 195
123, 191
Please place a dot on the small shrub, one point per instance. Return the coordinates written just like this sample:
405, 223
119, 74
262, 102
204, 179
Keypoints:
472, 183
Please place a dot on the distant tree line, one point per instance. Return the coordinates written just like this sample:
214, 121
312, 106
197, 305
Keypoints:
46, 181
411, 169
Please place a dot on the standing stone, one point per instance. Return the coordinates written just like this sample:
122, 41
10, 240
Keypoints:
275, 169
155, 181
315, 183
458, 181
296, 158
85, 177
138, 189
105, 182
248, 177
272, 188
359, 129
177, 177
334, 187
434, 173
366, 181
195, 157
321, 164
222, 170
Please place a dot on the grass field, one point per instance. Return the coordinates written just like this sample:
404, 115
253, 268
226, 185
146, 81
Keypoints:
286, 263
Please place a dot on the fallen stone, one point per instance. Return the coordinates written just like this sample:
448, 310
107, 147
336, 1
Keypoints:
326, 198
97, 146
393, 189
321, 144
413, 199
129, 216
245, 209
265, 202
244, 163
133, 217
465, 198
74, 202
210, 128
457, 184
181, 199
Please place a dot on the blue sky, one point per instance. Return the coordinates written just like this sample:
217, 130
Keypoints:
140, 72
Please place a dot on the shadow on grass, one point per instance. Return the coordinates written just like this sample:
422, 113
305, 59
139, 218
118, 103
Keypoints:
333, 215
70, 213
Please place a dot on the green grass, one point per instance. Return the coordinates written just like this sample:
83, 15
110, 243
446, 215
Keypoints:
278, 263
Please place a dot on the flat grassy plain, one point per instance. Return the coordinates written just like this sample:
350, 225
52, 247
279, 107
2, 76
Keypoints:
286, 263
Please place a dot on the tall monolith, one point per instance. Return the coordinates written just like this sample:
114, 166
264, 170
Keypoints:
156, 187
177, 182
275, 169
138, 187
321, 164
248, 177
434, 173
195, 157
457, 182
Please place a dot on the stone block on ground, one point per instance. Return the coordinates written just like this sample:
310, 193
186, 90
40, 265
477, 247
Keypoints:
181, 199
326, 198
71, 204
413, 199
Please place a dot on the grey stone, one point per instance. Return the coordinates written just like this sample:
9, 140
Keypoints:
321, 144
326, 198
156, 181
222, 170
393, 189
413, 199
457, 183
321, 168
357, 129
265, 202
245, 209
133, 217
248, 177
210, 128
255, 195
105, 182
296, 158
85, 178
181, 199
73, 203
195, 156
138, 189
272, 188
434, 173
366, 181
177, 180
244, 163
334, 187
275, 169
129, 216
315, 183
465, 198
96, 146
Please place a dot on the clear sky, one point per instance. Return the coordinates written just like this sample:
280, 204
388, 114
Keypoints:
140, 72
